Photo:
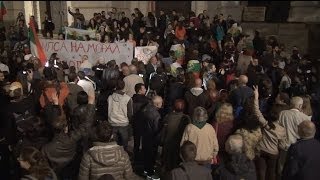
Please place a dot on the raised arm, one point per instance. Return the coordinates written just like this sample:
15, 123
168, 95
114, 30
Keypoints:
257, 111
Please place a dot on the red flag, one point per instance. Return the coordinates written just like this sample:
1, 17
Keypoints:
35, 45
3, 10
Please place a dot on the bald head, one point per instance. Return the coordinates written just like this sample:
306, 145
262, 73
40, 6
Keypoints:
198, 83
157, 101
133, 69
306, 130
243, 80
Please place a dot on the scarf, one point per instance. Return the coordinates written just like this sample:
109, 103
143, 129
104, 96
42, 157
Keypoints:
199, 124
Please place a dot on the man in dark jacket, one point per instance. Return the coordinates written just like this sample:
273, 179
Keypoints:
74, 89
171, 135
189, 169
196, 97
303, 158
139, 101
62, 150
150, 135
237, 166
242, 93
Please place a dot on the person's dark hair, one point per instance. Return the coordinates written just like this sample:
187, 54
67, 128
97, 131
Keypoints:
58, 123
112, 63
104, 131
120, 85
72, 69
248, 117
138, 87
160, 70
50, 73
123, 64
265, 88
81, 75
275, 111
82, 98
72, 76
179, 105
39, 168
188, 151
285, 97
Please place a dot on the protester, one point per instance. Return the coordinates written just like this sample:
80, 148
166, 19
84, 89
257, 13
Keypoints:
303, 158
173, 125
211, 64
189, 169
120, 113
204, 136
97, 162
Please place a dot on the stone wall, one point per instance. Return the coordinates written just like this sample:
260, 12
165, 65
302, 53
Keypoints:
291, 34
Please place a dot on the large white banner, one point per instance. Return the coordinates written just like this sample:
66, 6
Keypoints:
78, 34
72, 51
144, 53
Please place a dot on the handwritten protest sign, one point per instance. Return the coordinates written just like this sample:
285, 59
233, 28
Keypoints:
144, 53
72, 51
78, 34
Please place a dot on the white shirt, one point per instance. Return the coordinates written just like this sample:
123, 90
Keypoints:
87, 86
290, 119
4, 67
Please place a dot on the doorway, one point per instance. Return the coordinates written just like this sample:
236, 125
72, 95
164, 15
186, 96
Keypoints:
183, 7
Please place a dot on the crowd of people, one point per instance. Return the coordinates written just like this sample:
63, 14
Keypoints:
229, 106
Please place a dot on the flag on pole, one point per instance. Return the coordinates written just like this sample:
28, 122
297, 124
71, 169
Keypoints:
3, 10
36, 48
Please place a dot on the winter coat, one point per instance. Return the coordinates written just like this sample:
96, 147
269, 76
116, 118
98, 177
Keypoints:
106, 158
303, 161
74, 89
62, 148
205, 140
150, 124
239, 96
194, 98
174, 125
139, 102
190, 171
237, 167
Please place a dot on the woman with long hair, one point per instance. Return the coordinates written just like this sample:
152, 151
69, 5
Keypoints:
224, 126
273, 137
306, 107
34, 165
93, 26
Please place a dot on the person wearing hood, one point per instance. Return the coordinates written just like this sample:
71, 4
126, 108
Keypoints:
196, 97
203, 136
189, 169
105, 157
237, 166
120, 111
